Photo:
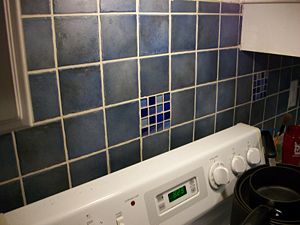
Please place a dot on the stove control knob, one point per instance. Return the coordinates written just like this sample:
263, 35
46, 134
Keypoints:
218, 175
238, 165
253, 156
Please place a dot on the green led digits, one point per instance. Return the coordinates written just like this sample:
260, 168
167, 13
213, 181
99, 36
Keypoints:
177, 193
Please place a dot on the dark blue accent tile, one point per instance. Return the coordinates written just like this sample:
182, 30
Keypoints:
285, 79
118, 5
152, 110
145, 131
10, 196
124, 155
261, 62
154, 75
208, 31
152, 101
120, 81
160, 108
85, 134
207, 67
155, 145
244, 89
183, 33
160, 118
152, 120
226, 92
8, 166
181, 135
183, 71
227, 65
224, 120
183, 6
167, 97
45, 184
80, 89
35, 7
154, 34
160, 127
118, 36
229, 31
122, 123
274, 61
273, 83
144, 102
167, 106
77, 6
38, 43
230, 8
245, 63
153, 129
167, 115
242, 114
204, 127
283, 99
44, 96
77, 39
144, 112
257, 112
205, 100
270, 110
154, 5
40, 147
209, 7
182, 106
88, 169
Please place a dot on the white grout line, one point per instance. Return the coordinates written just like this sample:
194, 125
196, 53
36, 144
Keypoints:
170, 70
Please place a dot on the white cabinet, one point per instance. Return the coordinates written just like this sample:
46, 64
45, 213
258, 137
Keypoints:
15, 101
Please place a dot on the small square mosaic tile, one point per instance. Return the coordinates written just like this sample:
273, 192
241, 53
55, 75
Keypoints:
155, 113
260, 84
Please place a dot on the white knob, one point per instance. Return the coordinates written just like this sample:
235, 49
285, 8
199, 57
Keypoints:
253, 156
238, 165
219, 175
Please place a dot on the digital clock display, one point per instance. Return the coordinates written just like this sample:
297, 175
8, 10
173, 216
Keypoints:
177, 193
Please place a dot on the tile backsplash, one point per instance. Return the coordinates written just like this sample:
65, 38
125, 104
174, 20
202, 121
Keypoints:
116, 82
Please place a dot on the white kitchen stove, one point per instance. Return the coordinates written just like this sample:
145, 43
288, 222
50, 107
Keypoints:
188, 185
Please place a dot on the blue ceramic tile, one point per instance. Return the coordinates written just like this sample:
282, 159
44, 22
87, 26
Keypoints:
124, 155
166, 115
205, 100
257, 112
208, 31
35, 7
261, 62
159, 99
38, 43
227, 64
40, 147
183, 71
244, 90
181, 135
242, 114
80, 89
10, 196
45, 184
229, 31
224, 120
226, 92
160, 118
85, 134
167, 106
77, 6
167, 124
209, 7
145, 122
154, 34
118, 36
270, 110
245, 63
204, 127
88, 169
160, 108
144, 102
274, 61
44, 96
285, 79
145, 131
283, 99
77, 44
118, 5
183, 33
154, 5
153, 129
152, 100
122, 123
152, 110
155, 145
154, 75
182, 106
273, 85
230, 8
167, 97
152, 120
144, 112
207, 67
120, 81
183, 6
8, 166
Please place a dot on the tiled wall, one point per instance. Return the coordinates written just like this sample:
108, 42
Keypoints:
115, 82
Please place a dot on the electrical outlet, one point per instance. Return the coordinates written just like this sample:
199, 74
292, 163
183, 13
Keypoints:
293, 94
